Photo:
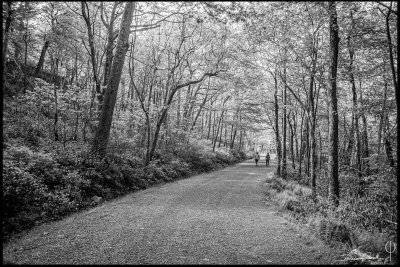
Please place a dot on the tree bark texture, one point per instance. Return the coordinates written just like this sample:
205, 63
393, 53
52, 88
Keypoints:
39, 66
333, 167
85, 14
103, 130
284, 119
277, 138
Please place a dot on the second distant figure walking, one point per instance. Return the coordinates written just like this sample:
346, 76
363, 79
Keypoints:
267, 159
257, 157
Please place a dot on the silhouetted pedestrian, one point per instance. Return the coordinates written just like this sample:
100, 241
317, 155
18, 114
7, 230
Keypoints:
267, 159
257, 157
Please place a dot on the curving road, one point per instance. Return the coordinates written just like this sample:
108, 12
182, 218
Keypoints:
215, 218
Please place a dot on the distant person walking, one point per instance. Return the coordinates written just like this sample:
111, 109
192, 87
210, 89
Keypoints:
257, 157
267, 159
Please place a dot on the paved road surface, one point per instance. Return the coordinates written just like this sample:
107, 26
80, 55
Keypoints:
215, 218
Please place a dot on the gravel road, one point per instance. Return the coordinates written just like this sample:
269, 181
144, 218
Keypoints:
216, 218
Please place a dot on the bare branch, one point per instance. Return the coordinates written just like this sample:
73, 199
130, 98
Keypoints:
390, 9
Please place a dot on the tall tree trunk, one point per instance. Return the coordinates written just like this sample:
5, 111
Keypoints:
301, 152
295, 136
226, 136
9, 19
333, 166
392, 67
240, 140
85, 14
277, 138
381, 123
110, 42
284, 119
312, 121
218, 127
178, 110
220, 136
313, 158
291, 142
213, 128
308, 149
364, 137
25, 37
40, 64
200, 110
103, 130
209, 124
355, 107
233, 138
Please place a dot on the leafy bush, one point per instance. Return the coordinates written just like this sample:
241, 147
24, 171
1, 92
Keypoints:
22, 191
364, 220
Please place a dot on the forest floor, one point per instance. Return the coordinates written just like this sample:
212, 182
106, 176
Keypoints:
216, 218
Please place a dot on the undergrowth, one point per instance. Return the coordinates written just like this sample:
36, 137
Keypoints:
364, 222
41, 185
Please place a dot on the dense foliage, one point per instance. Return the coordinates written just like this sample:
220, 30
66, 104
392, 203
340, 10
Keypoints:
366, 222
40, 186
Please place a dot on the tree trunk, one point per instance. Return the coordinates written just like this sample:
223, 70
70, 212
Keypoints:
103, 130
291, 143
25, 37
284, 157
209, 124
277, 139
364, 137
392, 67
300, 158
233, 138
178, 110
355, 112
312, 121
218, 127
240, 140
110, 44
382, 119
220, 136
85, 15
308, 149
40, 64
9, 19
333, 167
313, 157
213, 128
56, 137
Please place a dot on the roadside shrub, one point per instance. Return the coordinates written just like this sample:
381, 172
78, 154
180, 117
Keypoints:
201, 162
170, 173
359, 221
49, 184
332, 230
156, 172
235, 153
58, 204
278, 184
223, 158
77, 186
182, 168
22, 191
129, 174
